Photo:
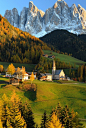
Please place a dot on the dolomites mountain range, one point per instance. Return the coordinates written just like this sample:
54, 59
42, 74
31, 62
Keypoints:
59, 16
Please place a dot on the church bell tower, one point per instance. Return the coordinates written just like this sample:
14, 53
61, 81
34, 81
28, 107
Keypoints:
53, 69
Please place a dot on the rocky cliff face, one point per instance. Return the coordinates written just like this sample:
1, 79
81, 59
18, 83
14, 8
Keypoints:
38, 23
12, 16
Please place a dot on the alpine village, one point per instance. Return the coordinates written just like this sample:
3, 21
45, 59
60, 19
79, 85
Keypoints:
43, 79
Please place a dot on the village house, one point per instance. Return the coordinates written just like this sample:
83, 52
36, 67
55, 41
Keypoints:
45, 55
14, 81
52, 57
21, 75
45, 76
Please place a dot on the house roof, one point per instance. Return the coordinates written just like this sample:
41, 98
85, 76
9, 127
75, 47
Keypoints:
48, 74
42, 74
45, 74
20, 73
51, 56
31, 73
57, 72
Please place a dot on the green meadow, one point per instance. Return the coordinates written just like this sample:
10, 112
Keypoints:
65, 58
28, 67
48, 95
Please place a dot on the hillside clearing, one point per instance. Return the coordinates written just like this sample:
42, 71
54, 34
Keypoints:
65, 58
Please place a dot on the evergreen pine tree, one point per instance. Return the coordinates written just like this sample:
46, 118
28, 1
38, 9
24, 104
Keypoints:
76, 123
5, 111
27, 114
44, 120
16, 120
58, 111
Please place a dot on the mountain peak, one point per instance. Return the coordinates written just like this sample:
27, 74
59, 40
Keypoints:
59, 16
31, 2
80, 7
61, 0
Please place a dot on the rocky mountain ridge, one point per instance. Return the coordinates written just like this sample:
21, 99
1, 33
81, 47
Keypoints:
39, 23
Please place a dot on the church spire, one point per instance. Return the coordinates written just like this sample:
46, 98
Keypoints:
54, 67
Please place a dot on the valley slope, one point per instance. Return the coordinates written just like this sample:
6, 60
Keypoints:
67, 42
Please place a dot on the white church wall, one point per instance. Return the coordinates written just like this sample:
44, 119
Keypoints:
62, 74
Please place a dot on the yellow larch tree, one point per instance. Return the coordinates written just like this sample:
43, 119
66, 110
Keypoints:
18, 73
23, 72
1, 68
11, 69
54, 122
16, 120
32, 78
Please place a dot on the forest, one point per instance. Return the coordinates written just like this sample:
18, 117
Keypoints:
64, 41
18, 46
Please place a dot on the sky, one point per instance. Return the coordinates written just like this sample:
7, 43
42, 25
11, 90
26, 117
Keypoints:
41, 4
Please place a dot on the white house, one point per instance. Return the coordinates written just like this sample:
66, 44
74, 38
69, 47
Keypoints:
48, 76
8, 74
45, 76
21, 75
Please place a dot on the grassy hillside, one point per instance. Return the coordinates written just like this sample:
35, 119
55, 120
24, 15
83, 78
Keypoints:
48, 94
67, 42
28, 67
65, 58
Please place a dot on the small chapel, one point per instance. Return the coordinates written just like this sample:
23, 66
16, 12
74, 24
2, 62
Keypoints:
57, 74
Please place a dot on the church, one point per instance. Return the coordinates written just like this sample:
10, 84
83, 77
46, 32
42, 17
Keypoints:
57, 74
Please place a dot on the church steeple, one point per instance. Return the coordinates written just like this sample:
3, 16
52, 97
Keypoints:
54, 67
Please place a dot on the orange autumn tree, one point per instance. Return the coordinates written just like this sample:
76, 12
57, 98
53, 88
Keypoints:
1, 68
32, 78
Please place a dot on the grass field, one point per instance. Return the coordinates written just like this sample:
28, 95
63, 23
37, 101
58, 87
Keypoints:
48, 95
65, 58
28, 67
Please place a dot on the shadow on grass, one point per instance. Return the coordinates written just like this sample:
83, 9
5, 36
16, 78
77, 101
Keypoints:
3, 82
31, 95
3, 85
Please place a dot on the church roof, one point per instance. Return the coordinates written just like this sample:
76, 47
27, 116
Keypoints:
57, 72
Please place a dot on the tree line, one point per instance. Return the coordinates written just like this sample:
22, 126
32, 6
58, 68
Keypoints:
79, 74
45, 64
